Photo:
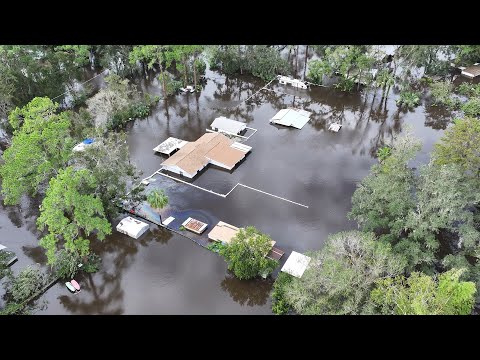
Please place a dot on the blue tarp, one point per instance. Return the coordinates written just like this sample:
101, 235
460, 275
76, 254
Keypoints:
88, 141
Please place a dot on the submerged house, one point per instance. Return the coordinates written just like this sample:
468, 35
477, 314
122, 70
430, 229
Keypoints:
471, 72
296, 118
211, 148
228, 126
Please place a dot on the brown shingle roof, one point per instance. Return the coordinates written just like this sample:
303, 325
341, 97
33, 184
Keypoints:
224, 154
195, 155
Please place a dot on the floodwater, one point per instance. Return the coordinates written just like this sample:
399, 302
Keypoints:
165, 273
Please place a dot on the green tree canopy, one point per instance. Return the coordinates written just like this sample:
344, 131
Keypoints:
71, 213
460, 144
108, 160
339, 277
421, 294
157, 199
383, 199
246, 254
41, 145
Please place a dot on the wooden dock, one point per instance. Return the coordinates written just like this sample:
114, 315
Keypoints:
275, 253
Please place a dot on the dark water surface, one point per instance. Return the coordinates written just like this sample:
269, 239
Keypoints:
164, 273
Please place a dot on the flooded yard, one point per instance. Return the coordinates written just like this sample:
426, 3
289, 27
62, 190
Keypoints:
165, 273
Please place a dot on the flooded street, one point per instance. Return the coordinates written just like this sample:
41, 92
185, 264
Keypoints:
165, 273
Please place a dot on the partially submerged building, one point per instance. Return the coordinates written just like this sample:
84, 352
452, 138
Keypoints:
169, 146
296, 118
296, 264
228, 126
471, 72
211, 148
287, 80
132, 227
225, 233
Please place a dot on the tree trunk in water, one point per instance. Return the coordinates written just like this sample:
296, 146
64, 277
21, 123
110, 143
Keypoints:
240, 59
195, 71
296, 61
185, 71
306, 59
164, 86
358, 80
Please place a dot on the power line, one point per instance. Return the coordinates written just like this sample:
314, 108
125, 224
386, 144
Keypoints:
66, 92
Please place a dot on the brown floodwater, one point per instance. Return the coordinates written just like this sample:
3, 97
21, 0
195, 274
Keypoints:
165, 273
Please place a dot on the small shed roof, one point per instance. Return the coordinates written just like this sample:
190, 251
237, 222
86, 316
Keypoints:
472, 71
132, 227
296, 264
223, 232
169, 145
292, 117
228, 125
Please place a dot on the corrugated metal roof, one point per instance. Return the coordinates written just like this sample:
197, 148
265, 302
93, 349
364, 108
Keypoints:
292, 117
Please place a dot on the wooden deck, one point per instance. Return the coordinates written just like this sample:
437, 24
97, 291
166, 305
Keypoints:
275, 253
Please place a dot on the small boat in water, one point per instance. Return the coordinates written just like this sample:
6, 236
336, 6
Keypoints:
75, 284
70, 286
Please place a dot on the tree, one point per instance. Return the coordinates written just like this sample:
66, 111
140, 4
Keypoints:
460, 144
442, 94
317, 69
36, 70
421, 294
71, 213
153, 54
471, 107
113, 99
157, 199
66, 264
280, 305
108, 160
246, 254
443, 199
339, 277
384, 198
41, 146
81, 53
29, 281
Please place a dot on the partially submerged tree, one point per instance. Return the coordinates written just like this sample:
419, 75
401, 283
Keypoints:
157, 199
384, 198
108, 160
41, 146
246, 254
421, 294
116, 97
339, 277
71, 213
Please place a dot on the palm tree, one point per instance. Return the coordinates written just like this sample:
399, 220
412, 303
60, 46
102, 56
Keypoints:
157, 199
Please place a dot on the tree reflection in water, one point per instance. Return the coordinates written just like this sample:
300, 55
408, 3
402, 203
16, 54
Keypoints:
102, 292
252, 292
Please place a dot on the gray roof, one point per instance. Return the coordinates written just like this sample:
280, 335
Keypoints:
227, 125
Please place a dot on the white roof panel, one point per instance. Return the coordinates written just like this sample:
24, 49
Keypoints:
296, 264
292, 117
169, 145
